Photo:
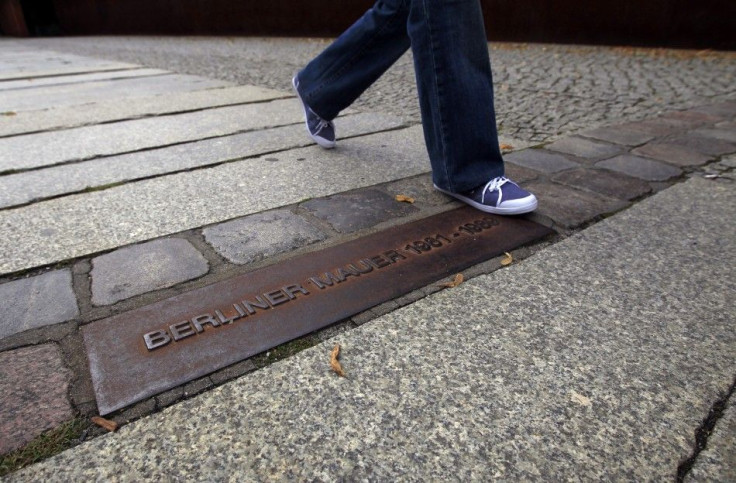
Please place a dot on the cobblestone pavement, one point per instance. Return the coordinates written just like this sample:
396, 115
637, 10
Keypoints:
542, 91
121, 190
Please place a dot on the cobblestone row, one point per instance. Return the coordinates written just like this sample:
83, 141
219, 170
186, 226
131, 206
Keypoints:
542, 91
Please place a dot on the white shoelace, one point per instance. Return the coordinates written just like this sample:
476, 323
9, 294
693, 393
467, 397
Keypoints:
493, 185
322, 124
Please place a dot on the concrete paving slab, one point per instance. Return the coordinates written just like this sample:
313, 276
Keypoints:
143, 268
595, 359
67, 227
262, 235
79, 78
33, 394
717, 462
37, 301
642, 168
76, 94
122, 109
49, 148
40, 63
22, 188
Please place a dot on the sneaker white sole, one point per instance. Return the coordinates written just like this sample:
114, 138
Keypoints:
524, 205
325, 143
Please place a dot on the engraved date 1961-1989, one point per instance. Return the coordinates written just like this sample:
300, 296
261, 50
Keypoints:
437, 241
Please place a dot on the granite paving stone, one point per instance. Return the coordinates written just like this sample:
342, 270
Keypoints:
33, 394
75, 94
541, 160
76, 225
729, 125
729, 161
143, 268
520, 174
49, 148
570, 207
604, 182
717, 462
722, 109
728, 135
652, 127
714, 147
21, 188
691, 118
673, 154
255, 237
594, 360
351, 212
642, 168
120, 109
37, 82
585, 148
619, 135
421, 188
37, 301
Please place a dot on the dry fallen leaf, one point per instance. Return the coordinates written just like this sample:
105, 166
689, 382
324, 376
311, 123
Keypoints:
334, 363
580, 399
457, 281
105, 423
404, 198
507, 259
506, 147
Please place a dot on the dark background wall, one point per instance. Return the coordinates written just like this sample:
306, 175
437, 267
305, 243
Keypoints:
698, 24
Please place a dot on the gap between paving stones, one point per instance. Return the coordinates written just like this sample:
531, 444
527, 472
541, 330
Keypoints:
75, 94
105, 112
52, 182
37, 82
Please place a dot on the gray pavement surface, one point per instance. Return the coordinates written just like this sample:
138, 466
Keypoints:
542, 91
102, 167
595, 359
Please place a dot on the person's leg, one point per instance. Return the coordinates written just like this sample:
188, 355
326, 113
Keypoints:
343, 71
455, 92
455, 87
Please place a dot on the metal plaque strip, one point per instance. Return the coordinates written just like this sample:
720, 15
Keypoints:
148, 350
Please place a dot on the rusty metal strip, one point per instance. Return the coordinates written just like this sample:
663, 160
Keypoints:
151, 349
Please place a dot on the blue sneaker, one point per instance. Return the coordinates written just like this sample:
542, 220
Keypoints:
323, 132
500, 196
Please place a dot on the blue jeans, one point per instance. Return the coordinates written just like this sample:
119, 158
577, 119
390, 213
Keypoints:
453, 74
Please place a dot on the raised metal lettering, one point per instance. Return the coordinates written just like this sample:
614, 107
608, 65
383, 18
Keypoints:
393, 255
156, 339
276, 297
201, 320
226, 320
378, 261
181, 330
329, 280
343, 273
292, 290
367, 267
260, 304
